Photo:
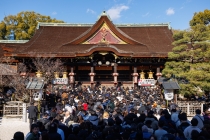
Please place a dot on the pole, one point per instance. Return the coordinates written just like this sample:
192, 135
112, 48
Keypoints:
24, 112
30, 96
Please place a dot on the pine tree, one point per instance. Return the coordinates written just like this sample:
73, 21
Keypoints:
189, 60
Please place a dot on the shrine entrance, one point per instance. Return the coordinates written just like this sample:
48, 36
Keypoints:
103, 65
103, 73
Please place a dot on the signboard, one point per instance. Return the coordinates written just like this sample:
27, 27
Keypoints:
169, 94
60, 81
147, 82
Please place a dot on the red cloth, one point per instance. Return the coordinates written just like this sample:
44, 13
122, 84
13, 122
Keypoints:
85, 106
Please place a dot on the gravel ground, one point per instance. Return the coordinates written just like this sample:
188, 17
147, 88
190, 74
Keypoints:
8, 126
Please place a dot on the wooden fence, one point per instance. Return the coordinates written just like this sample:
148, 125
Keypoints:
13, 109
189, 107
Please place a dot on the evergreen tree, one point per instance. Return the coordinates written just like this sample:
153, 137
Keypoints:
23, 24
189, 60
2, 30
201, 18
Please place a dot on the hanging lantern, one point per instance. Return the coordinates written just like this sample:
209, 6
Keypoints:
150, 75
64, 74
56, 74
142, 75
38, 74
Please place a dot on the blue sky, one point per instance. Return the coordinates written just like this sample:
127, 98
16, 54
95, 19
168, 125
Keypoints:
177, 12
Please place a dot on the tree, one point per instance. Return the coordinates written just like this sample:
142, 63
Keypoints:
48, 66
201, 18
10, 77
189, 60
23, 24
2, 30
19, 79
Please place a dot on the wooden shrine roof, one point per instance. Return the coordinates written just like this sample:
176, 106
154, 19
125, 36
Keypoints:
72, 40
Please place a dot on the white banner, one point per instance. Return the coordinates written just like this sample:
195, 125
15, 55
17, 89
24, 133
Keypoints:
147, 82
169, 94
60, 81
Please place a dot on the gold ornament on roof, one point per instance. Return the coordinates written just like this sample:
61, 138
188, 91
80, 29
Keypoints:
104, 34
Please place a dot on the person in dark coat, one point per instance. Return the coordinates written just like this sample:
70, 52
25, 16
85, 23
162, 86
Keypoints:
53, 135
32, 113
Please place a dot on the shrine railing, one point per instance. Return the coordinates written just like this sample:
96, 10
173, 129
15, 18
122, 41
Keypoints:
13, 109
189, 107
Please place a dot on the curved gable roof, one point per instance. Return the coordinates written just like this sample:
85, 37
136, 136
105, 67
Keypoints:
72, 40
104, 20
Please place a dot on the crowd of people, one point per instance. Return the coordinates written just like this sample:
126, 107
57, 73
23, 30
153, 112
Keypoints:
115, 113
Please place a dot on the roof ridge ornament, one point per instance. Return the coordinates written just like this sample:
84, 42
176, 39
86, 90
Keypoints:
104, 14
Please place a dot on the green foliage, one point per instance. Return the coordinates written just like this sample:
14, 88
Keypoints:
189, 60
23, 24
201, 18
2, 30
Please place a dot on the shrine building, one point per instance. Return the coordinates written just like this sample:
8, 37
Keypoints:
102, 52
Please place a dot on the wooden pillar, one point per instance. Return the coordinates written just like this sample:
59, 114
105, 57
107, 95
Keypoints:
71, 77
158, 73
115, 74
175, 98
115, 67
135, 76
1, 79
92, 74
